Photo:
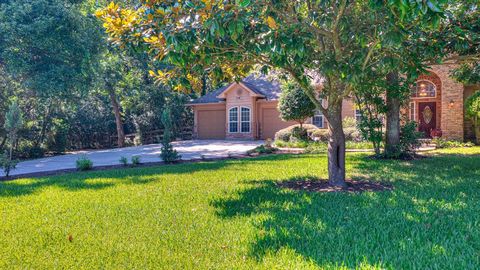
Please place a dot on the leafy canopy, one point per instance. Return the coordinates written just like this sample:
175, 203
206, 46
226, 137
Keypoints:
294, 105
332, 38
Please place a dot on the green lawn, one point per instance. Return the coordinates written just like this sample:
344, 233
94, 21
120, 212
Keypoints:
230, 215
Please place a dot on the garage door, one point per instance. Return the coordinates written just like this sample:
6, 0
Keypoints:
211, 124
271, 123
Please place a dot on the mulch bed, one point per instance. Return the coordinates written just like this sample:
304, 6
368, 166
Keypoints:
323, 186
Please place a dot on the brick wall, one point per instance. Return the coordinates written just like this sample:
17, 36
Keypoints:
452, 115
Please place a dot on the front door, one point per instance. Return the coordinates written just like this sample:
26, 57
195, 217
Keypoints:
427, 117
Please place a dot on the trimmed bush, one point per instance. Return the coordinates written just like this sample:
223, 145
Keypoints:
442, 143
286, 133
84, 164
320, 135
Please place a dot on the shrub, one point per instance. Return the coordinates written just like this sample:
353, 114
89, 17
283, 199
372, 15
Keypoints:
299, 134
320, 135
408, 140
349, 122
7, 164
84, 164
442, 143
286, 133
136, 160
124, 161
262, 149
472, 111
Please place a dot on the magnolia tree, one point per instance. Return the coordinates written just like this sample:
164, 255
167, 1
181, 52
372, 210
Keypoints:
328, 43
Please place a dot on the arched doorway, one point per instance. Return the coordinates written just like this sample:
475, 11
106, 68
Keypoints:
425, 103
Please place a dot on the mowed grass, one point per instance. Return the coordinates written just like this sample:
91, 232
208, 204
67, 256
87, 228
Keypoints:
231, 215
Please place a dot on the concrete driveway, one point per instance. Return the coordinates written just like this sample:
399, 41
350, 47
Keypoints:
189, 150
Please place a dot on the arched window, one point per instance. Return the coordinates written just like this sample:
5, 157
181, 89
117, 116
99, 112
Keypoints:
424, 89
245, 121
233, 120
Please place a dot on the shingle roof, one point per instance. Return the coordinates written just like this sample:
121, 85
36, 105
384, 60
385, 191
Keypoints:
259, 84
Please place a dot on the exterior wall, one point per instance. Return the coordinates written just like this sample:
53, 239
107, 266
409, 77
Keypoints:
348, 110
449, 100
452, 103
263, 128
206, 107
238, 96
469, 134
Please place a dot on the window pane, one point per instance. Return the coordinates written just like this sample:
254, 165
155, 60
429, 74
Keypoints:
245, 119
318, 121
424, 89
233, 127
245, 126
233, 120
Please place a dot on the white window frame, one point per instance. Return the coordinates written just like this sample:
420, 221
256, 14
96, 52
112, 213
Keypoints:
230, 120
412, 111
318, 113
358, 114
240, 119
423, 80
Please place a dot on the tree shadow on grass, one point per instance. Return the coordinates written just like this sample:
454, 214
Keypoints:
430, 220
97, 180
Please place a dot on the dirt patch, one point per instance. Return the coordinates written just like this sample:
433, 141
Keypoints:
324, 186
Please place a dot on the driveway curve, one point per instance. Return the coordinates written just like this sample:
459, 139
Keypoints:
189, 150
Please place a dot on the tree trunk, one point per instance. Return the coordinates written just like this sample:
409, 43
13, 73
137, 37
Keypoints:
118, 117
393, 114
336, 145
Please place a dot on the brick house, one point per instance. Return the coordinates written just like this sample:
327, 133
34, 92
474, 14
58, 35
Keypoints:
248, 109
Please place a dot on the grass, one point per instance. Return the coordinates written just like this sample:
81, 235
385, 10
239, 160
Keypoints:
230, 215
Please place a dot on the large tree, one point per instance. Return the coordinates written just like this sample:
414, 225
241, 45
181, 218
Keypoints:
49, 46
325, 43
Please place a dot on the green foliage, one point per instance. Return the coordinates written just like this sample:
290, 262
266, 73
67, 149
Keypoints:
136, 160
262, 149
7, 164
168, 154
472, 107
84, 164
299, 134
349, 122
286, 134
321, 135
409, 139
472, 111
13, 121
124, 161
371, 129
28, 150
442, 143
294, 104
